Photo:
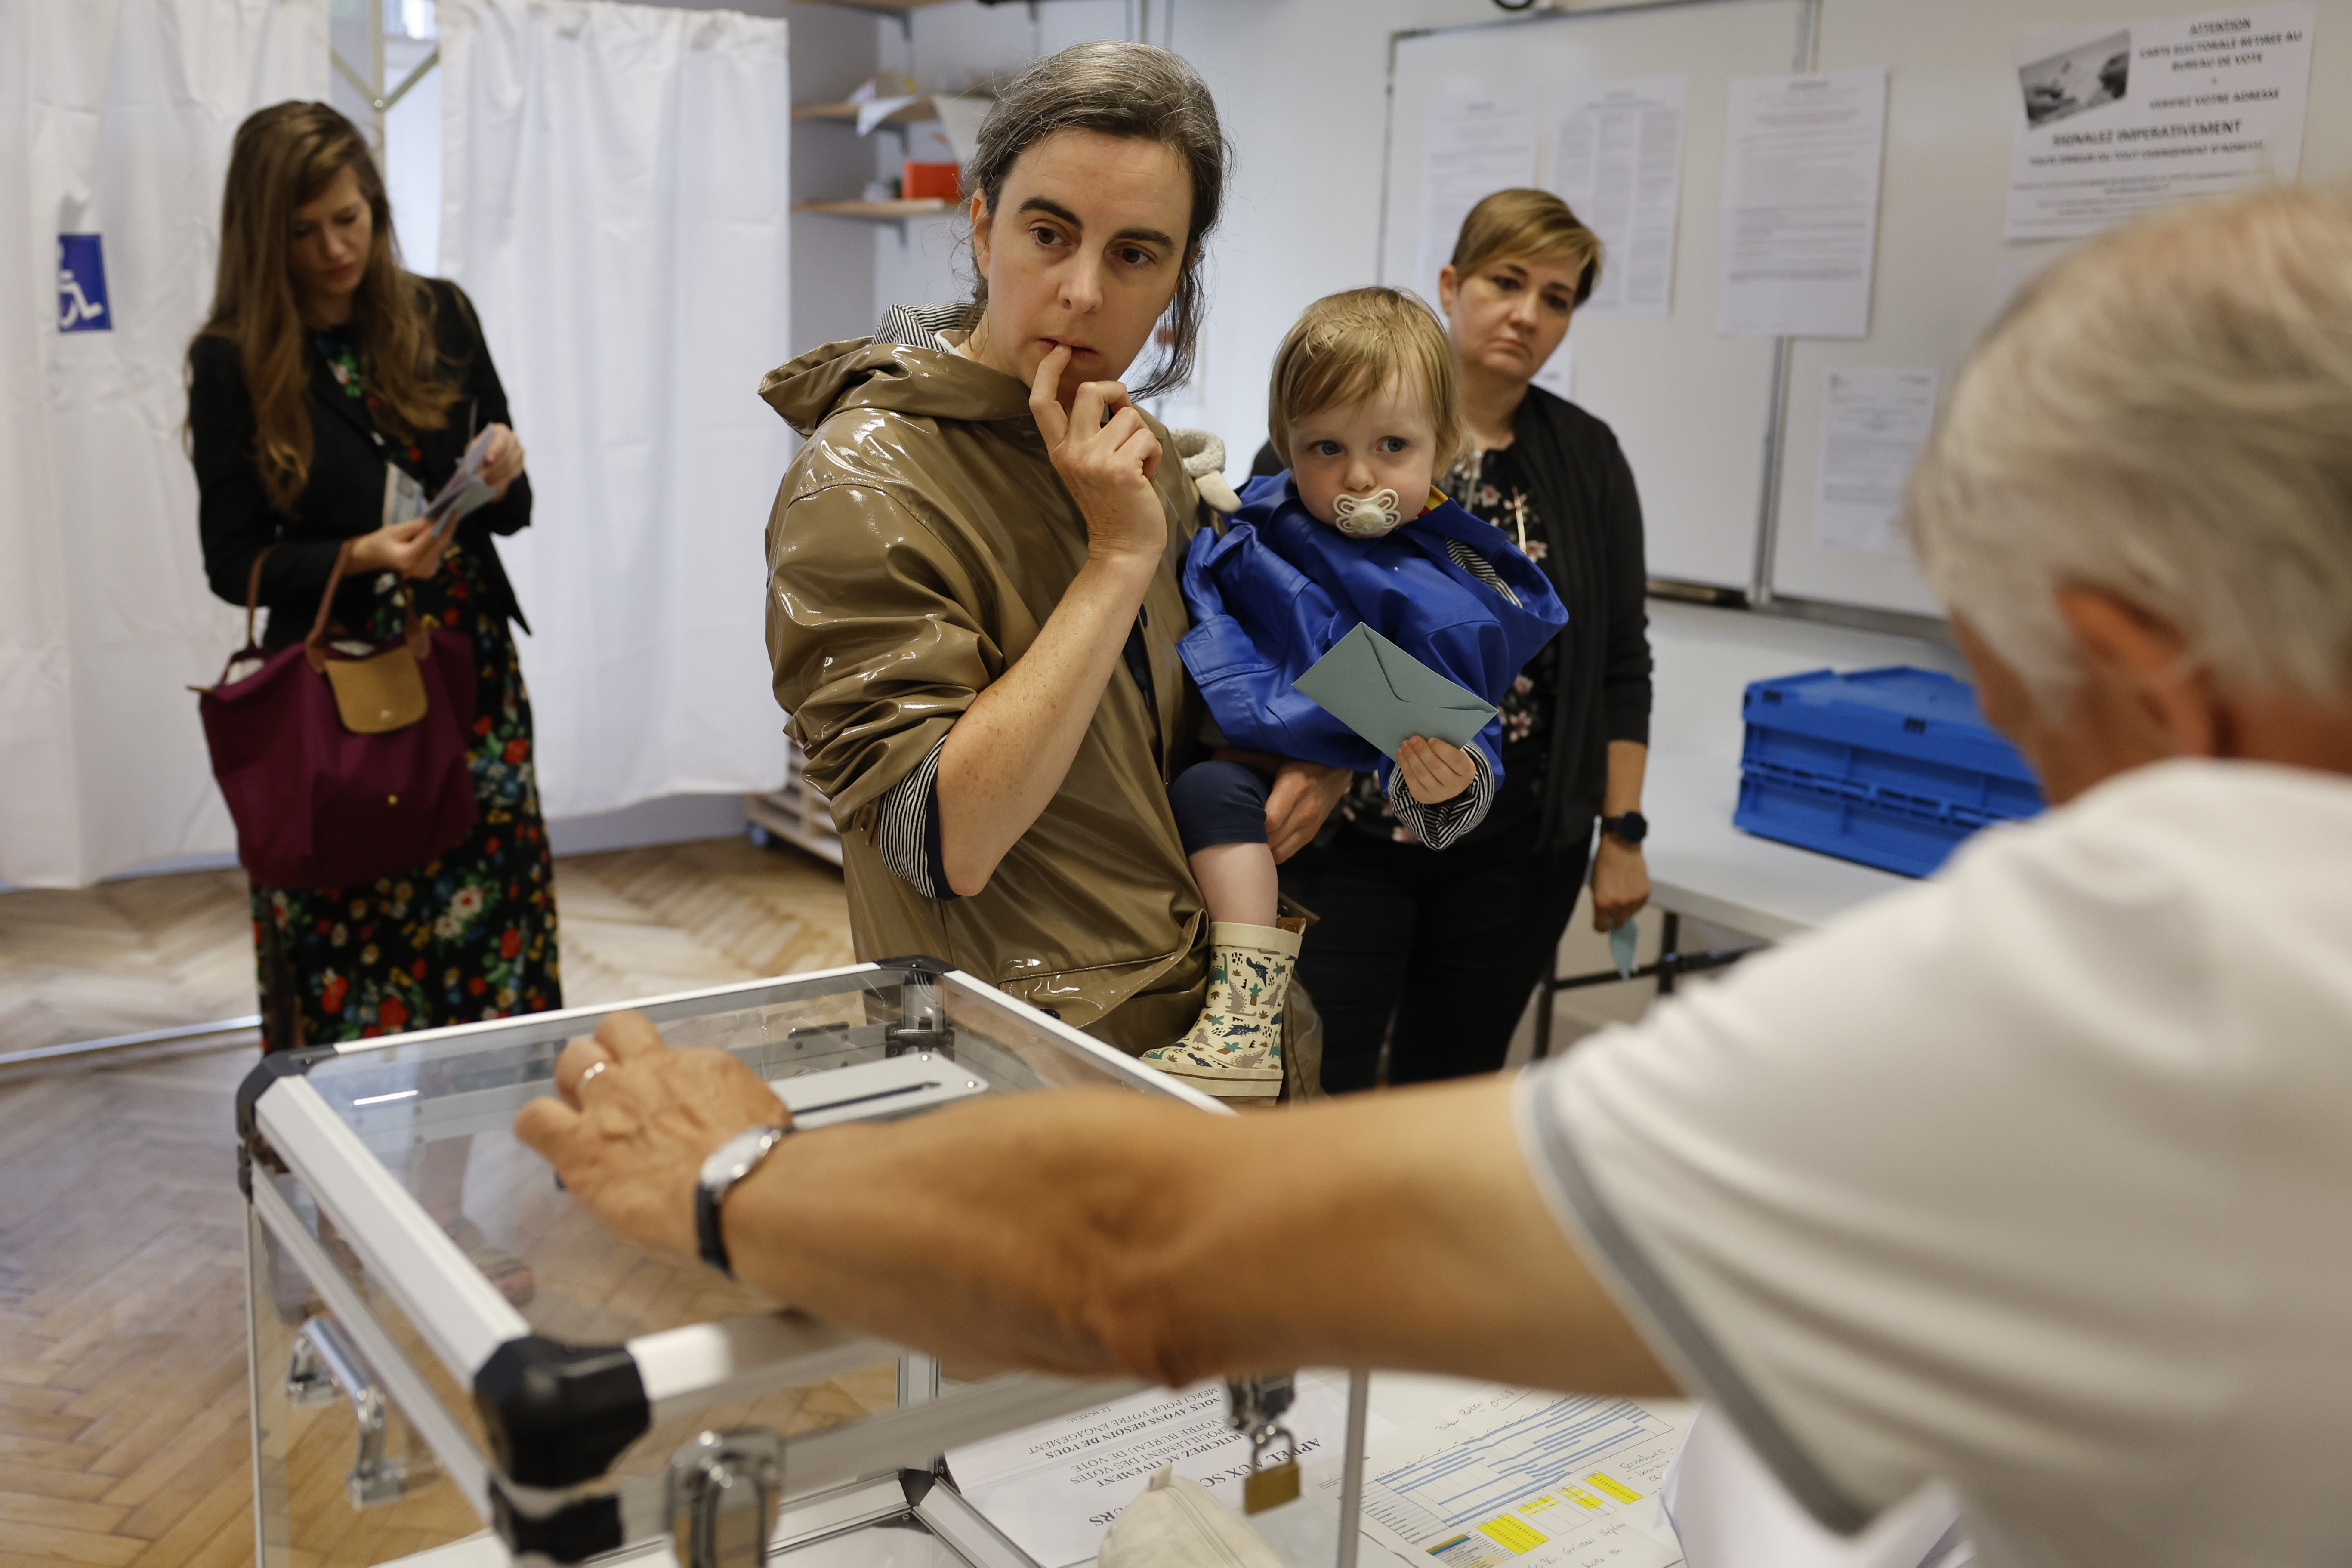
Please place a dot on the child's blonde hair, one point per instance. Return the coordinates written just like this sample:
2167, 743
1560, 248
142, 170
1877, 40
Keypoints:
1347, 347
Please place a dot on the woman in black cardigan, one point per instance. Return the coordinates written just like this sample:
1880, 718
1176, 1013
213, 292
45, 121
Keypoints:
328, 391
1437, 951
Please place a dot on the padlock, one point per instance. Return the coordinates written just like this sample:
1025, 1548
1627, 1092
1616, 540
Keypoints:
1270, 1486
1254, 1408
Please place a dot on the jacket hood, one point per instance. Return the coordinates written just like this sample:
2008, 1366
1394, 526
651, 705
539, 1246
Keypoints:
858, 373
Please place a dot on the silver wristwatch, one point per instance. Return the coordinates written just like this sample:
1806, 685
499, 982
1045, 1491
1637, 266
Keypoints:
728, 1164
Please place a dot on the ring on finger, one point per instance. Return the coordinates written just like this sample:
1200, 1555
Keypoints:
594, 1068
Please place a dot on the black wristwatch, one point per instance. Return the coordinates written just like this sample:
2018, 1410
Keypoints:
1629, 829
728, 1164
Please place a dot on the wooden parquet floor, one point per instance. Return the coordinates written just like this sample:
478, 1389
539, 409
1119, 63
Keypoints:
123, 1434
121, 958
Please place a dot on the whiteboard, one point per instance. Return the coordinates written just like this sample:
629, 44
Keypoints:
1691, 408
1943, 270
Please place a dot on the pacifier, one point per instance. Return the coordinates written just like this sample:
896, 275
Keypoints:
1366, 517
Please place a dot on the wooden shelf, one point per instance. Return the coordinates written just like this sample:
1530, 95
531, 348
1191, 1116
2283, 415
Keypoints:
907, 114
922, 207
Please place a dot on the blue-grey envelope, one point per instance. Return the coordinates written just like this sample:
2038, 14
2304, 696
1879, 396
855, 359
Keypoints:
1384, 694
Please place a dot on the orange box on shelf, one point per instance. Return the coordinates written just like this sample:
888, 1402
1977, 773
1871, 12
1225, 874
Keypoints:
943, 180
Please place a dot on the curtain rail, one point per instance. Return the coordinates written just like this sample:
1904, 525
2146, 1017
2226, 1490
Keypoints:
122, 1042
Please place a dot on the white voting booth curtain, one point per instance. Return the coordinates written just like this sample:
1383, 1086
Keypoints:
115, 122
614, 198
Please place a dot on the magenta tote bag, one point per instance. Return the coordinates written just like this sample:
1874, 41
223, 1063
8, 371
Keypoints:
341, 768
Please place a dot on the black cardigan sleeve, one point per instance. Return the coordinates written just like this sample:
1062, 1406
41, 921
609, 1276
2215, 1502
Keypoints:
234, 518
1625, 685
485, 403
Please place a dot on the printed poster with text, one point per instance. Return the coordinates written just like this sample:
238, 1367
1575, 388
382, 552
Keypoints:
2118, 119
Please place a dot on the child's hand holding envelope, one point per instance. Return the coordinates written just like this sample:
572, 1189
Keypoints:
1384, 694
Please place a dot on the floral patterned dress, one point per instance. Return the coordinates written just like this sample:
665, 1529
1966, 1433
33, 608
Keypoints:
469, 936
1489, 485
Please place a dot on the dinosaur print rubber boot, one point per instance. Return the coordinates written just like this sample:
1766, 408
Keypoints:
1235, 1049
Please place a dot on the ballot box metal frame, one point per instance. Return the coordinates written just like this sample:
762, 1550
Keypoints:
555, 1416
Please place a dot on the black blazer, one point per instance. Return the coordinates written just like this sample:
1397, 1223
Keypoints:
344, 497
1591, 517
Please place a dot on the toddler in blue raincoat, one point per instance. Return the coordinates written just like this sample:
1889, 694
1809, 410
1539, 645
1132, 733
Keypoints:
1366, 409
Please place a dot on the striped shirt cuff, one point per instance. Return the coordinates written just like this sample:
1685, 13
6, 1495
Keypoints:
1478, 566
1439, 825
907, 831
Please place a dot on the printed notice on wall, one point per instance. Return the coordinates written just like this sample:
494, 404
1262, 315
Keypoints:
1617, 159
1800, 204
2118, 119
1056, 1488
1470, 148
1874, 424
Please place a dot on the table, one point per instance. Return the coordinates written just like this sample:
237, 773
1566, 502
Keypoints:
1703, 867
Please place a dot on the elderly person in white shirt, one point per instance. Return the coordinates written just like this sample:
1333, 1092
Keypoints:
2032, 1178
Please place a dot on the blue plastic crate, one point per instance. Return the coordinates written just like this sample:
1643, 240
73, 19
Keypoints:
1890, 767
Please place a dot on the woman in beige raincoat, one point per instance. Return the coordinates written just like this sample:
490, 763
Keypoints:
972, 609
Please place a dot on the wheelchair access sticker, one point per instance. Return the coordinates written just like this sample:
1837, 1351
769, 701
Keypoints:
81, 285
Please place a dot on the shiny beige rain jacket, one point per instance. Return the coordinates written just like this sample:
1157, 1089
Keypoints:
919, 541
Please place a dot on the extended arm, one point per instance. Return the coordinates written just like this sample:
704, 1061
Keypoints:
1087, 1231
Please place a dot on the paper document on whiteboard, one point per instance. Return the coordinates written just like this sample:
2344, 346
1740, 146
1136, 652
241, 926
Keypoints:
1617, 159
1053, 1489
1800, 204
1470, 148
1523, 1477
2116, 119
1874, 424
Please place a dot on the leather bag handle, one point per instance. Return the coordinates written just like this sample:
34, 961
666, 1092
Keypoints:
252, 588
314, 646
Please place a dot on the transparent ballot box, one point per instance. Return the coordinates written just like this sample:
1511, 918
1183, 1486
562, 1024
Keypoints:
452, 1361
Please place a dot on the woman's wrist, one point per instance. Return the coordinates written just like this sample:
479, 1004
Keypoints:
1130, 570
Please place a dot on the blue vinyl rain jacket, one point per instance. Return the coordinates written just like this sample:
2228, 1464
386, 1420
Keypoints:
1273, 592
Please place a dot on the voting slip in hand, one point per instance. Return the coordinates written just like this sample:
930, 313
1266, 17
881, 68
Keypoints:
467, 490
1384, 694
